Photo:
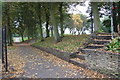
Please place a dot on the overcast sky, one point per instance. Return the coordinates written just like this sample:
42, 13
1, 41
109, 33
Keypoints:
79, 9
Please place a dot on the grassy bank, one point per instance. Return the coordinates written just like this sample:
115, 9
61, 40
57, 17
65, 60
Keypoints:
70, 43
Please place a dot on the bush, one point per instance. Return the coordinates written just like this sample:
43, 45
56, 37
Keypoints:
114, 45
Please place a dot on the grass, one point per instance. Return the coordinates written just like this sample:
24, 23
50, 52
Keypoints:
10, 47
70, 43
25, 38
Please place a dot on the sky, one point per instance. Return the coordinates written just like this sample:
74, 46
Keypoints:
79, 9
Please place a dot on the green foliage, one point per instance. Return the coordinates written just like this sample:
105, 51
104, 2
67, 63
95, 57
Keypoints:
107, 22
106, 25
100, 31
114, 45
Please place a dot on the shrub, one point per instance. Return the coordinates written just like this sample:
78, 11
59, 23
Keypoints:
114, 45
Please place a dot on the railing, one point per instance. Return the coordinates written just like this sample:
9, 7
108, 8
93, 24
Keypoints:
4, 48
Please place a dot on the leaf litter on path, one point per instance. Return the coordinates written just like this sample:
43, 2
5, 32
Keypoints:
63, 64
16, 61
69, 69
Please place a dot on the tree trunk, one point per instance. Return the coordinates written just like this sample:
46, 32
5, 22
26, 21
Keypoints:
53, 19
70, 31
28, 37
114, 18
51, 31
9, 27
78, 32
91, 21
61, 20
96, 16
22, 37
40, 21
47, 24
118, 18
82, 30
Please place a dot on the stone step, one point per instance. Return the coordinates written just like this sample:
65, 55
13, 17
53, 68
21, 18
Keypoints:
104, 33
80, 53
80, 56
101, 41
72, 55
104, 37
94, 46
82, 50
88, 50
78, 62
115, 34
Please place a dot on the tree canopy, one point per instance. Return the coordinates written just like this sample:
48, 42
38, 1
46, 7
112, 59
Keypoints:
33, 19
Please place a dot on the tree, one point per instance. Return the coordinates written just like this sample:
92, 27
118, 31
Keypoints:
96, 16
69, 23
114, 17
107, 24
85, 23
118, 7
78, 22
40, 21
53, 20
105, 10
21, 30
61, 19
30, 22
37, 10
6, 17
47, 16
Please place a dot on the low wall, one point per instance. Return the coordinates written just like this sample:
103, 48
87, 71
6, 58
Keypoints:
103, 62
63, 55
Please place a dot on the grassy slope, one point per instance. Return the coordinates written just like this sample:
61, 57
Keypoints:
70, 43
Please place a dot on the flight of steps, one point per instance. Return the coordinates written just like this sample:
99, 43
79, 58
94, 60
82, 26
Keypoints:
78, 59
98, 42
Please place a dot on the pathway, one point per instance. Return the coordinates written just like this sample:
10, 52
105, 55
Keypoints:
39, 64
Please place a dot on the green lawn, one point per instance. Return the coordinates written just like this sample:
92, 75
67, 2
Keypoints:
25, 38
70, 43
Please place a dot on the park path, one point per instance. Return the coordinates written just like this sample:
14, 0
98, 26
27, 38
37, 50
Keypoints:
39, 64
